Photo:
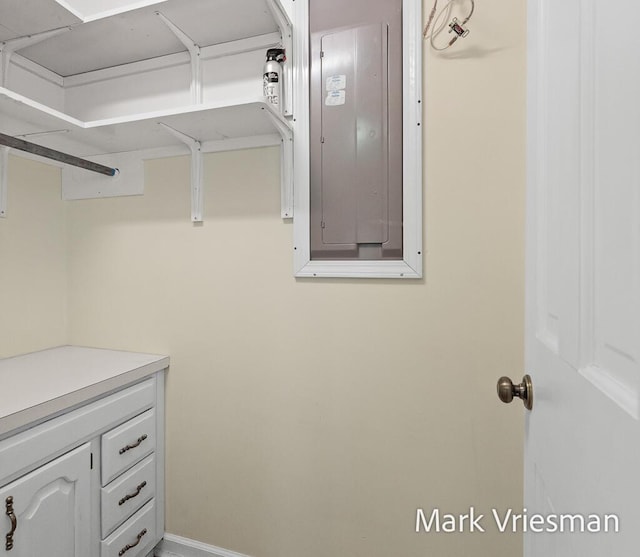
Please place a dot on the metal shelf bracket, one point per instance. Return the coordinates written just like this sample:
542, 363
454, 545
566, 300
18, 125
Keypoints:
197, 172
7, 48
286, 164
194, 53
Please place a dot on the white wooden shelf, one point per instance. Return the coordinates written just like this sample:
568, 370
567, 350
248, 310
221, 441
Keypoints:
123, 80
213, 122
108, 38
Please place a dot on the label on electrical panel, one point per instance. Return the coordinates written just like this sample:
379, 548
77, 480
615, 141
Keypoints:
336, 98
336, 82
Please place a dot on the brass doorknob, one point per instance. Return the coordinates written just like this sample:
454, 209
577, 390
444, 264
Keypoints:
507, 391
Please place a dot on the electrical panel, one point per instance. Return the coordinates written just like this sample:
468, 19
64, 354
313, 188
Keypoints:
356, 129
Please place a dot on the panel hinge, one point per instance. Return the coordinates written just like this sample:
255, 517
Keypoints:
322, 54
322, 140
322, 225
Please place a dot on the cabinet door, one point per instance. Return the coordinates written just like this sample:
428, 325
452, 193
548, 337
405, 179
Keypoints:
51, 506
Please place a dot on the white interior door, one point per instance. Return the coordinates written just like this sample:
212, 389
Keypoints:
583, 276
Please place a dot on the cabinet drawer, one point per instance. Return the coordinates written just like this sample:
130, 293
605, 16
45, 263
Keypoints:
135, 537
32, 447
125, 495
127, 444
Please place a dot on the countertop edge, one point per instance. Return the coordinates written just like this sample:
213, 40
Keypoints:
41, 412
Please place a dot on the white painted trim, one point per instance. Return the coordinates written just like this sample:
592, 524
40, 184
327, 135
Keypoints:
358, 269
160, 379
301, 201
412, 266
176, 546
412, 136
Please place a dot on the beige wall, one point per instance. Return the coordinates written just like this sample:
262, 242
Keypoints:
310, 418
33, 260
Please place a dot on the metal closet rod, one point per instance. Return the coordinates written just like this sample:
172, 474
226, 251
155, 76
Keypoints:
52, 154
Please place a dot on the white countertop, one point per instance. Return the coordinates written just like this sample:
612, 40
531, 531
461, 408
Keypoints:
41, 384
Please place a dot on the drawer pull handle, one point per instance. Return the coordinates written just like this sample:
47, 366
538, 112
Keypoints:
135, 494
14, 523
136, 444
132, 545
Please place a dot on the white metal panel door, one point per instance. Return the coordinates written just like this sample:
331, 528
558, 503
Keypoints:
51, 509
582, 439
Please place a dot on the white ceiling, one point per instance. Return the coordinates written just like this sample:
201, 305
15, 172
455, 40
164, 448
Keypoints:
131, 36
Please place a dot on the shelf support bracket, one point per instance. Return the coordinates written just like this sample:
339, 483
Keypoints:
7, 48
286, 163
286, 34
194, 54
197, 172
4, 177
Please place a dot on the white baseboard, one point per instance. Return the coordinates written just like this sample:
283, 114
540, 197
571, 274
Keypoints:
176, 546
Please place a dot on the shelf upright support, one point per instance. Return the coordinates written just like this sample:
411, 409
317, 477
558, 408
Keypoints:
286, 162
194, 54
4, 177
286, 33
197, 172
7, 48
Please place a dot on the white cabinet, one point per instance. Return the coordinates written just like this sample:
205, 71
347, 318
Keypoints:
85, 480
47, 511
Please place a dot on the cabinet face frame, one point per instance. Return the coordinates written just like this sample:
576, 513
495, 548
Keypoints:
412, 263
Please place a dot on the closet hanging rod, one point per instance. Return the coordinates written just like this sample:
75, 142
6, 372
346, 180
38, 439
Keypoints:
52, 154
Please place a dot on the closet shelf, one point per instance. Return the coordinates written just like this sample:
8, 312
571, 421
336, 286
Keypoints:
111, 36
108, 81
213, 122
